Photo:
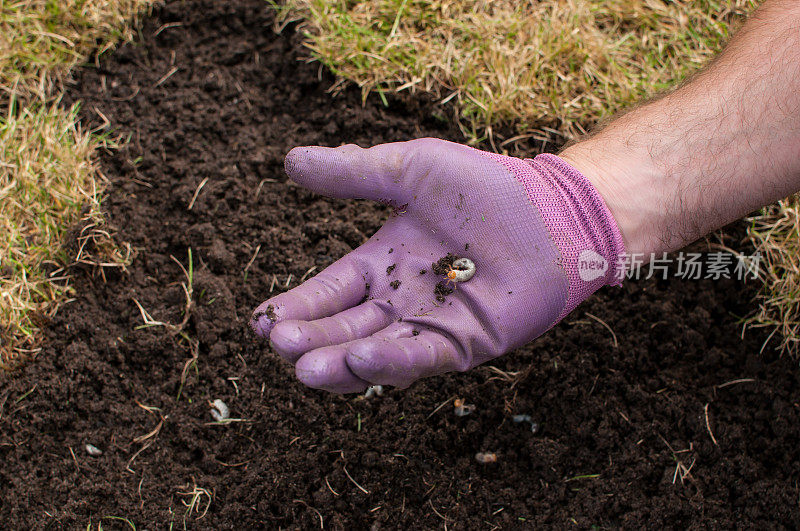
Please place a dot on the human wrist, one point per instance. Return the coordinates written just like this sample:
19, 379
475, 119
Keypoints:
628, 185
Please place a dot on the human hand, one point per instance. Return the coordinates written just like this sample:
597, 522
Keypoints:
373, 317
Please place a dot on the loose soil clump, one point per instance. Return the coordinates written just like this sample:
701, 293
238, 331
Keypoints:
209, 91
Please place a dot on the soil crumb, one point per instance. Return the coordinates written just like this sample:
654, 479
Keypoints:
442, 290
444, 264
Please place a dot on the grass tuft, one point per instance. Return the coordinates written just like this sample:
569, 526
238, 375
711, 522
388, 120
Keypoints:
48, 183
48, 178
561, 64
776, 235
40, 40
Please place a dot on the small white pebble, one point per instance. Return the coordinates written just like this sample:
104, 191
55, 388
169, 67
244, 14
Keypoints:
486, 458
93, 450
219, 410
374, 390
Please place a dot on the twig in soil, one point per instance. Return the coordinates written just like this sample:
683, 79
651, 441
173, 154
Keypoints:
258, 190
23, 397
274, 281
330, 488
232, 465
197, 192
177, 330
147, 439
708, 427
121, 519
167, 26
613, 335
167, 75
74, 459
681, 470
734, 382
139, 492
188, 290
440, 406
305, 275
288, 280
321, 521
511, 377
253, 259
346, 473
225, 422
440, 515
194, 350
196, 494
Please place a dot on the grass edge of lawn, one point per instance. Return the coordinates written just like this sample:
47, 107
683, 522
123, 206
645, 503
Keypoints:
49, 178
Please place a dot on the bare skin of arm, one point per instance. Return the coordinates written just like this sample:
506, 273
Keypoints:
719, 147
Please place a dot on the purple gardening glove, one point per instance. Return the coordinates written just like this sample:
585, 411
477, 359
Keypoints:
539, 234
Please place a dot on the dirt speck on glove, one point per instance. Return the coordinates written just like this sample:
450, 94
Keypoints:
443, 265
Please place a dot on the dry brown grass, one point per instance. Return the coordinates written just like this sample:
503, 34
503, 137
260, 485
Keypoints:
40, 40
559, 64
48, 178
776, 234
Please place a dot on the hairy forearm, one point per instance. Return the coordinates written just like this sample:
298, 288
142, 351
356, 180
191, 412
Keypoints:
722, 145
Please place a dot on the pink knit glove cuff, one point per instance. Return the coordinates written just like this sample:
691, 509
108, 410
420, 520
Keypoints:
579, 222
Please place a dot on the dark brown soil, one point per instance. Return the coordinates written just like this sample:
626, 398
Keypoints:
616, 420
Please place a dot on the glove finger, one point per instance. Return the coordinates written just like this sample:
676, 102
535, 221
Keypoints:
350, 171
387, 359
293, 338
338, 287
325, 368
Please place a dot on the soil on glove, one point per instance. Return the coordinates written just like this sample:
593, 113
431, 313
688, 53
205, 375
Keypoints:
671, 418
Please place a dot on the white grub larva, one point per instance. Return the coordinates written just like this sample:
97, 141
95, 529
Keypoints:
461, 409
486, 458
219, 410
374, 390
462, 270
528, 419
93, 450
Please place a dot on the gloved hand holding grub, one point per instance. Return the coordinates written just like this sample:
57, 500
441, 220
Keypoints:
536, 235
